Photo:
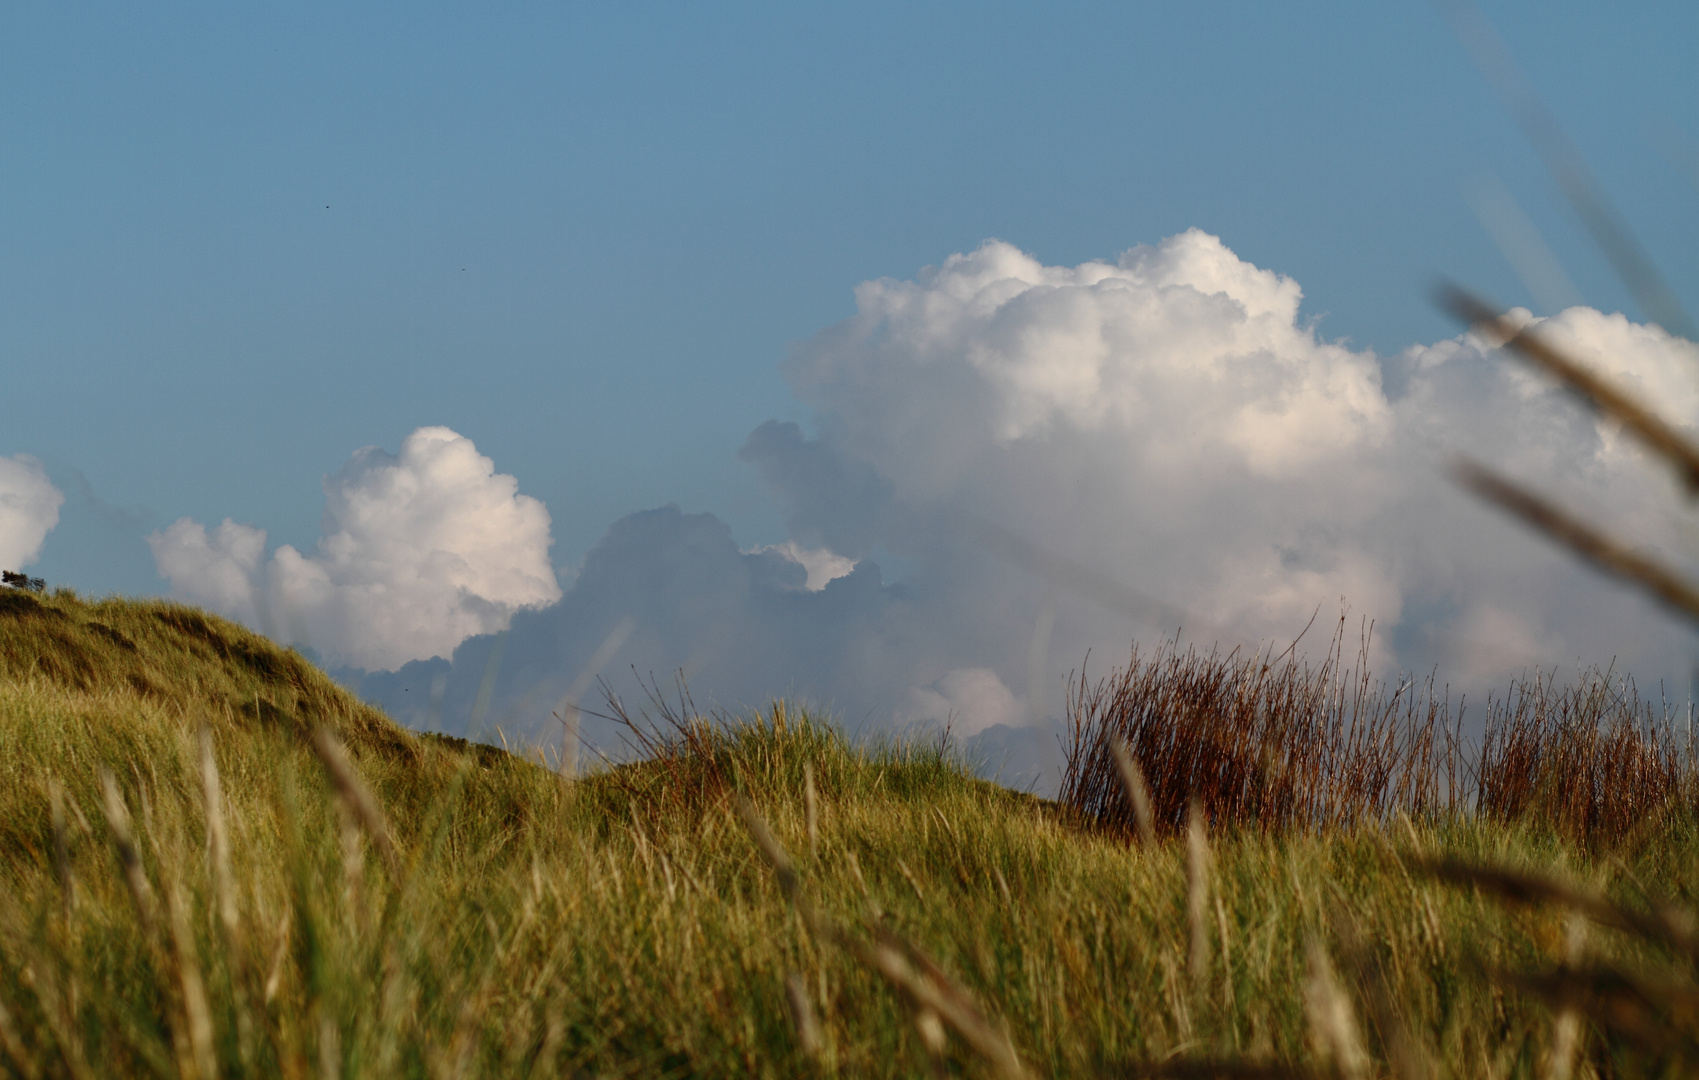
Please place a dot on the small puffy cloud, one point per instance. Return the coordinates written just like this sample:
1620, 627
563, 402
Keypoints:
823, 567
29, 508
969, 700
216, 570
419, 551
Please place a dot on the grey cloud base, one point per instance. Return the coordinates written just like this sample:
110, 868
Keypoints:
740, 626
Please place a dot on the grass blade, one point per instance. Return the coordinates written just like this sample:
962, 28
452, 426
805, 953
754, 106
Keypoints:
1614, 557
356, 797
1657, 434
1138, 792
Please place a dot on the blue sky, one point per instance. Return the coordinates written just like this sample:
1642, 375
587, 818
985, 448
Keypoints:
241, 241
622, 248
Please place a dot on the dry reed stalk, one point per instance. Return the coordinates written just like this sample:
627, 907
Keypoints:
1138, 792
1592, 759
354, 795
21, 1059
930, 1027
330, 1046
61, 847
224, 896
803, 1021
59, 1010
197, 1012
274, 978
1197, 896
1656, 774
1331, 1018
1566, 1025
811, 809
124, 843
680, 741
218, 844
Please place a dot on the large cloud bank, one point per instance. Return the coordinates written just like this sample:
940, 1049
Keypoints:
29, 508
1165, 419
419, 551
1026, 463
1170, 421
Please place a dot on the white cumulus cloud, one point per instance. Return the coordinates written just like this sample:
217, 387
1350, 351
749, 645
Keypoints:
821, 565
1025, 465
419, 550
1165, 418
1170, 421
29, 508
217, 571
1505, 592
968, 700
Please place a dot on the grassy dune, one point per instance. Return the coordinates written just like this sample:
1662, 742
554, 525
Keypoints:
479, 916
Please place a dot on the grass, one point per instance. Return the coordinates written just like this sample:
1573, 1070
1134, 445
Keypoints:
256, 900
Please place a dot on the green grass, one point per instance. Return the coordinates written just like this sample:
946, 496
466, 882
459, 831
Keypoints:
627, 924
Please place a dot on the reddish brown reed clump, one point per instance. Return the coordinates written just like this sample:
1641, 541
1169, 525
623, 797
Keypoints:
1592, 758
1273, 743
1263, 742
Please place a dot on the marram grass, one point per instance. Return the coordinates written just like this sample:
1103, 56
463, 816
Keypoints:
627, 924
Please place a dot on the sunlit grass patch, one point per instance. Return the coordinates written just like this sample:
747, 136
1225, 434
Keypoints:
627, 923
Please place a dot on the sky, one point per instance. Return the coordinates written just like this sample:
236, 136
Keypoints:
473, 321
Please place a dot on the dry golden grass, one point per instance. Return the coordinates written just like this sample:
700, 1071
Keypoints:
631, 924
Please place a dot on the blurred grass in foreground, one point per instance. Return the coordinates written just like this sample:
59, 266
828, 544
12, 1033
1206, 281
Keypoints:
429, 908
